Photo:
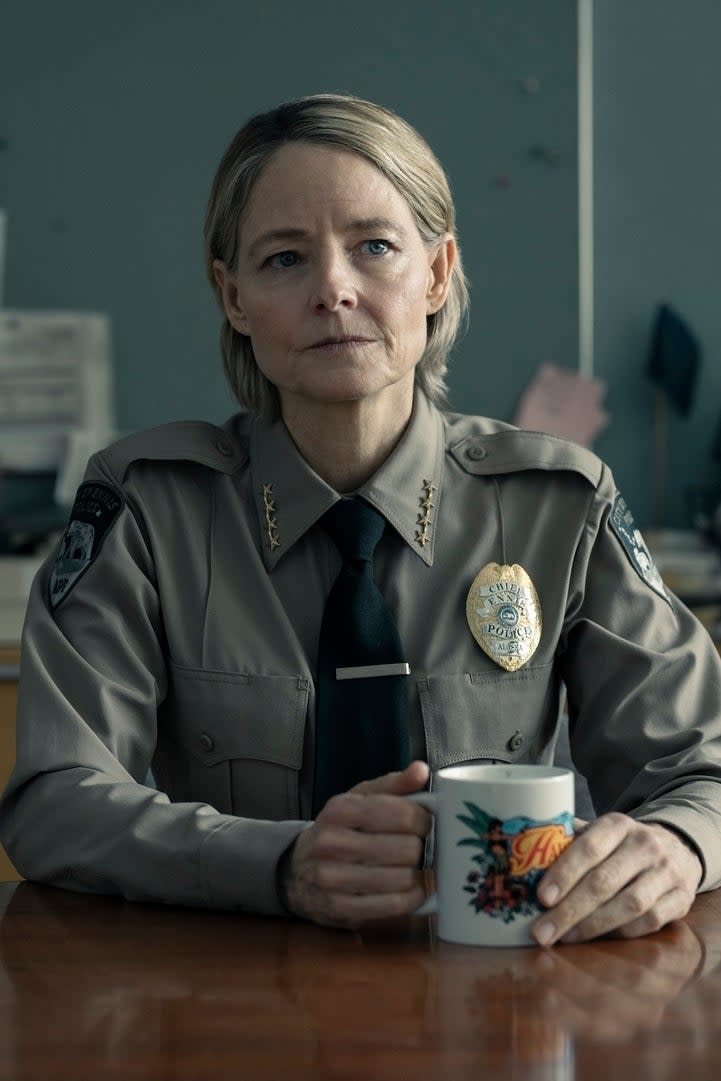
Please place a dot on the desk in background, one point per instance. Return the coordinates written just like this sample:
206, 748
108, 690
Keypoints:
98, 989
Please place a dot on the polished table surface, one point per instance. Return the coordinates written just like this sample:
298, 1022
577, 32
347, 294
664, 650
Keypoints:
95, 987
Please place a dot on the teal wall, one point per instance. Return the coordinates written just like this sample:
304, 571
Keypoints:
657, 230
115, 117
112, 121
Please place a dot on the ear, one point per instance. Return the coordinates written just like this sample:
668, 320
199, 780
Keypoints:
228, 293
443, 258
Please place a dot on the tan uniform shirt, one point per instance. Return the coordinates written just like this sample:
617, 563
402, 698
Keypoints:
187, 641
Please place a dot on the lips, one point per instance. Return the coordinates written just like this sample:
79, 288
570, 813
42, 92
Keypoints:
344, 339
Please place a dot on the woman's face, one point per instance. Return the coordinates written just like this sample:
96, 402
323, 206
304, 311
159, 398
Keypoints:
333, 282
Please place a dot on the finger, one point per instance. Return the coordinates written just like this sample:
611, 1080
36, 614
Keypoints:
612, 894
371, 849
587, 851
378, 813
356, 878
636, 902
411, 779
352, 910
673, 905
584, 898
625, 888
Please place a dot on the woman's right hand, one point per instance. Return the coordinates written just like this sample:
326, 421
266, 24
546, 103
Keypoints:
359, 860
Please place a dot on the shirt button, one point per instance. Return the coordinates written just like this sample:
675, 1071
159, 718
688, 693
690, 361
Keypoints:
207, 742
475, 452
225, 449
515, 742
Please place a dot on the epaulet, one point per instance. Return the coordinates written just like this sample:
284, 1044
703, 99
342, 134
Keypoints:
488, 447
186, 440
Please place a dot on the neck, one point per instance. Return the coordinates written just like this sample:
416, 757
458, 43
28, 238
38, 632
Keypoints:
347, 442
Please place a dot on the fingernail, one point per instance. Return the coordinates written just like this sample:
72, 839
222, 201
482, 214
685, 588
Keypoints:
544, 932
549, 893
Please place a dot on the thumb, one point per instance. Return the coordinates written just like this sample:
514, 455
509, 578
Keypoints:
411, 779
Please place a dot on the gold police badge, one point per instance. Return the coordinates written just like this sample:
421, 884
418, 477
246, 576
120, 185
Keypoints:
504, 614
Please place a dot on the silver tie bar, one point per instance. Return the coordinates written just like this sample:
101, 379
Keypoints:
401, 668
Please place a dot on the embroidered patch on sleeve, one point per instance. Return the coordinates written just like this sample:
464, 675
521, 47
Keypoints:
623, 525
96, 507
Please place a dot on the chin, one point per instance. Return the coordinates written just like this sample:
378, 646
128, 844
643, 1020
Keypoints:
335, 391
354, 386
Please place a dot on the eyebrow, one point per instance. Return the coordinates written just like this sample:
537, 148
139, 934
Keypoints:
358, 225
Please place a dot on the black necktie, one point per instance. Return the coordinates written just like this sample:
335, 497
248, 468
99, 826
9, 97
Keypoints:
361, 717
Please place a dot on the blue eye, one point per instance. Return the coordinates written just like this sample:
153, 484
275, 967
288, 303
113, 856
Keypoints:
378, 247
283, 259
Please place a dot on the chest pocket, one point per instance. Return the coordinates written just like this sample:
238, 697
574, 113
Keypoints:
508, 717
233, 741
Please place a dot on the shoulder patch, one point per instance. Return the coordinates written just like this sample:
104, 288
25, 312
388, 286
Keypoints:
623, 525
96, 507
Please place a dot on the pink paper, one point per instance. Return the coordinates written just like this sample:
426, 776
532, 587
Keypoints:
562, 402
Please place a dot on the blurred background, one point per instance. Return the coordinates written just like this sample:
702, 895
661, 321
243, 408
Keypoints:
113, 118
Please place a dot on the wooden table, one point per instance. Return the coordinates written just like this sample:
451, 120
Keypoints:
9, 671
93, 988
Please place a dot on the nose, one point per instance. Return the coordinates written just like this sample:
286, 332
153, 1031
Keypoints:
333, 284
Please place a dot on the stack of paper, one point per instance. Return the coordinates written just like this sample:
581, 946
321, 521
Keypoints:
55, 382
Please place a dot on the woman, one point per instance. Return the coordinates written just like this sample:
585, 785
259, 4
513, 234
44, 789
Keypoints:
187, 637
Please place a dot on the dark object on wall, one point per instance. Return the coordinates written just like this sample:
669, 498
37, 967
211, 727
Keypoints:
674, 359
716, 445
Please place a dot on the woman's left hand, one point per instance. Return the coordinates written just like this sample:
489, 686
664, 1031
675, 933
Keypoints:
619, 877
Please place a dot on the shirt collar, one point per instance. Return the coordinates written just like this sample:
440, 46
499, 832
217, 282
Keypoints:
407, 487
290, 497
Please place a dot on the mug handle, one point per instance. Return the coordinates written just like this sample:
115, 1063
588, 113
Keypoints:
429, 800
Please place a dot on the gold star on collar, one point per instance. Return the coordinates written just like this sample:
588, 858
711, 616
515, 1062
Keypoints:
425, 519
271, 522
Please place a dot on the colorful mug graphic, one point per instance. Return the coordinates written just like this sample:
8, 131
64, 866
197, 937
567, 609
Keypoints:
510, 861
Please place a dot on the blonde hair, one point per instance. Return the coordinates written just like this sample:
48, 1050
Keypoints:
405, 159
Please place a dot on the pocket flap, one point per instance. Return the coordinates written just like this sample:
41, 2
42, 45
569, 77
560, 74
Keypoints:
219, 716
509, 717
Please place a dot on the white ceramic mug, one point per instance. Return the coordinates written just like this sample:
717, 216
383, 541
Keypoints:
498, 828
